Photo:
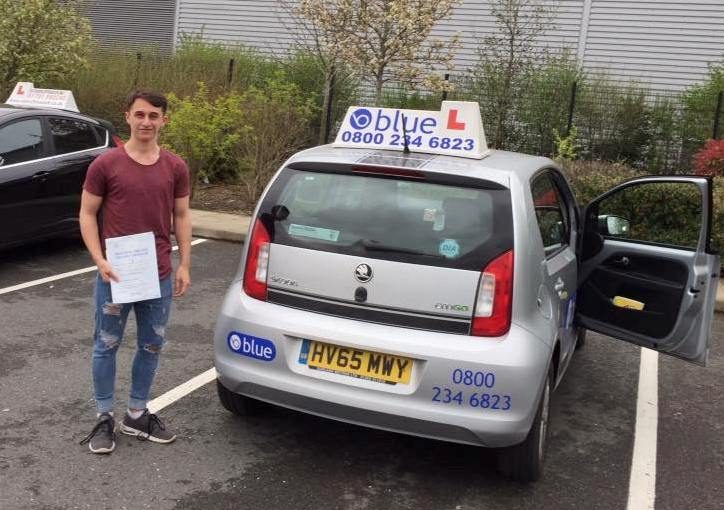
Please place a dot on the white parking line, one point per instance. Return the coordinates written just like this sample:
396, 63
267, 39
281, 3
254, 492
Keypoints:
642, 484
181, 391
41, 281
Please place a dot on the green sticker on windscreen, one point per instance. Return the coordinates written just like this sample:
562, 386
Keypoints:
324, 234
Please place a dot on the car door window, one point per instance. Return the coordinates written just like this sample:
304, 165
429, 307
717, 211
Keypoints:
551, 214
102, 134
71, 135
656, 212
21, 141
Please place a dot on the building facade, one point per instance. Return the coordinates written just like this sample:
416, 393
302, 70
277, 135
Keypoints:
662, 44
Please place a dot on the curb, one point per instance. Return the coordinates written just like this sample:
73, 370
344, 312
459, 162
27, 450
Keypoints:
218, 234
220, 226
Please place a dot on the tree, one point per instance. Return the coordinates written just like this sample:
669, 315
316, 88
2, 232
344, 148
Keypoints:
323, 44
510, 55
40, 40
385, 40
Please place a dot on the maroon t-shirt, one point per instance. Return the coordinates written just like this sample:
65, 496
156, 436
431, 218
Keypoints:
138, 198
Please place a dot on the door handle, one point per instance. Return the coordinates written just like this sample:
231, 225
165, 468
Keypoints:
559, 287
623, 261
40, 175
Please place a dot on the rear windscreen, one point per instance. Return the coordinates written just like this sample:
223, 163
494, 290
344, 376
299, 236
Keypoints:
390, 218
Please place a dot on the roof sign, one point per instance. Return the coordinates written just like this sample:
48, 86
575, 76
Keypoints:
24, 94
456, 130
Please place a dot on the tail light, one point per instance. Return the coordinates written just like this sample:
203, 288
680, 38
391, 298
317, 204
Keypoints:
495, 298
257, 262
117, 140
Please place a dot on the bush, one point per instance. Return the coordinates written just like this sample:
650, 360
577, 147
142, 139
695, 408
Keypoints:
566, 147
613, 121
243, 135
203, 132
101, 88
545, 104
410, 100
304, 69
278, 119
710, 159
699, 105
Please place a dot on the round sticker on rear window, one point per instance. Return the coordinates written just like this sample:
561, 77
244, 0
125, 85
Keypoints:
449, 248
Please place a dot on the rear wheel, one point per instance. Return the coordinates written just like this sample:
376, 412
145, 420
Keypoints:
240, 405
524, 462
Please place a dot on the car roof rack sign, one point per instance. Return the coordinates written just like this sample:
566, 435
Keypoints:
456, 130
25, 94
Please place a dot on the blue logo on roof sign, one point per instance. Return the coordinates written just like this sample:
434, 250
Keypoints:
251, 346
360, 118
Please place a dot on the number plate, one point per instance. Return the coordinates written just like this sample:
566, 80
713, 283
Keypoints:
356, 362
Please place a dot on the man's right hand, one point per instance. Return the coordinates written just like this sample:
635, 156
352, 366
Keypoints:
106, 271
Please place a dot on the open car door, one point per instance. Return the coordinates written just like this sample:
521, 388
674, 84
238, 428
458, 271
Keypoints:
648, 274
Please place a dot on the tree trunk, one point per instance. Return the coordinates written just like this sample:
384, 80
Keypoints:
378, 91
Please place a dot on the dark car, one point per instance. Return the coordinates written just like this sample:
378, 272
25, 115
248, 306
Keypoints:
44, 156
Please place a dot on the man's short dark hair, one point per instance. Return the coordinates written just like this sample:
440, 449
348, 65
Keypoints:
155, 98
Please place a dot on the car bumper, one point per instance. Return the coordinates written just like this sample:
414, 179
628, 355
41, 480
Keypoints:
442, 400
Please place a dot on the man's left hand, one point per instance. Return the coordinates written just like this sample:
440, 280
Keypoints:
181, 282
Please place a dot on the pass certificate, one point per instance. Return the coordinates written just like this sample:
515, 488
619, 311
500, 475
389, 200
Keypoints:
133, 259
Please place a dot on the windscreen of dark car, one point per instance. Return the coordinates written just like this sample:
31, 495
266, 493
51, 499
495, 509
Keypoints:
390, 217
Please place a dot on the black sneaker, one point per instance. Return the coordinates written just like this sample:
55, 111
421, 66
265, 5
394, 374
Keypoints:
102, 438
147, 426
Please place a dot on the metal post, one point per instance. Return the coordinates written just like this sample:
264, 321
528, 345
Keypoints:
571, 106
444, 92
330, 100
138, 69
717, 114
230, 74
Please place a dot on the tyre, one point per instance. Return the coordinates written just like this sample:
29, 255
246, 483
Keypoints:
524, 462
240, 405
581, 337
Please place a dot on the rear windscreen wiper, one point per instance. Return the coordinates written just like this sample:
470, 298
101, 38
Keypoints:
374, 245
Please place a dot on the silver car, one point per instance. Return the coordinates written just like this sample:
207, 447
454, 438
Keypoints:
444, 297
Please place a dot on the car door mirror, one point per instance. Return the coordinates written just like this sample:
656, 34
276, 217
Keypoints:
610, 225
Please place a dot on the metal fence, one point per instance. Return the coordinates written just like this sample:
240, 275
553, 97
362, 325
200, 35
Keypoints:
657, 131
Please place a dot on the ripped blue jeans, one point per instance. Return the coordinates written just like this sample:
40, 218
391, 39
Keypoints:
110, 322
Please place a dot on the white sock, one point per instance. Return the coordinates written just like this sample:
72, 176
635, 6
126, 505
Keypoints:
98, 415
135, 414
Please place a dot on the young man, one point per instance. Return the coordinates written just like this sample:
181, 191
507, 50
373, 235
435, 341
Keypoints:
129, 190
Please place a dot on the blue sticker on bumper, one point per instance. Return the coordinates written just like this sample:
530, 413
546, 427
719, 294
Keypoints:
251, 346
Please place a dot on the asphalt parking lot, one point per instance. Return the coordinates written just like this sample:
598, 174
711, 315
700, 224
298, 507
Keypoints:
282, 459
